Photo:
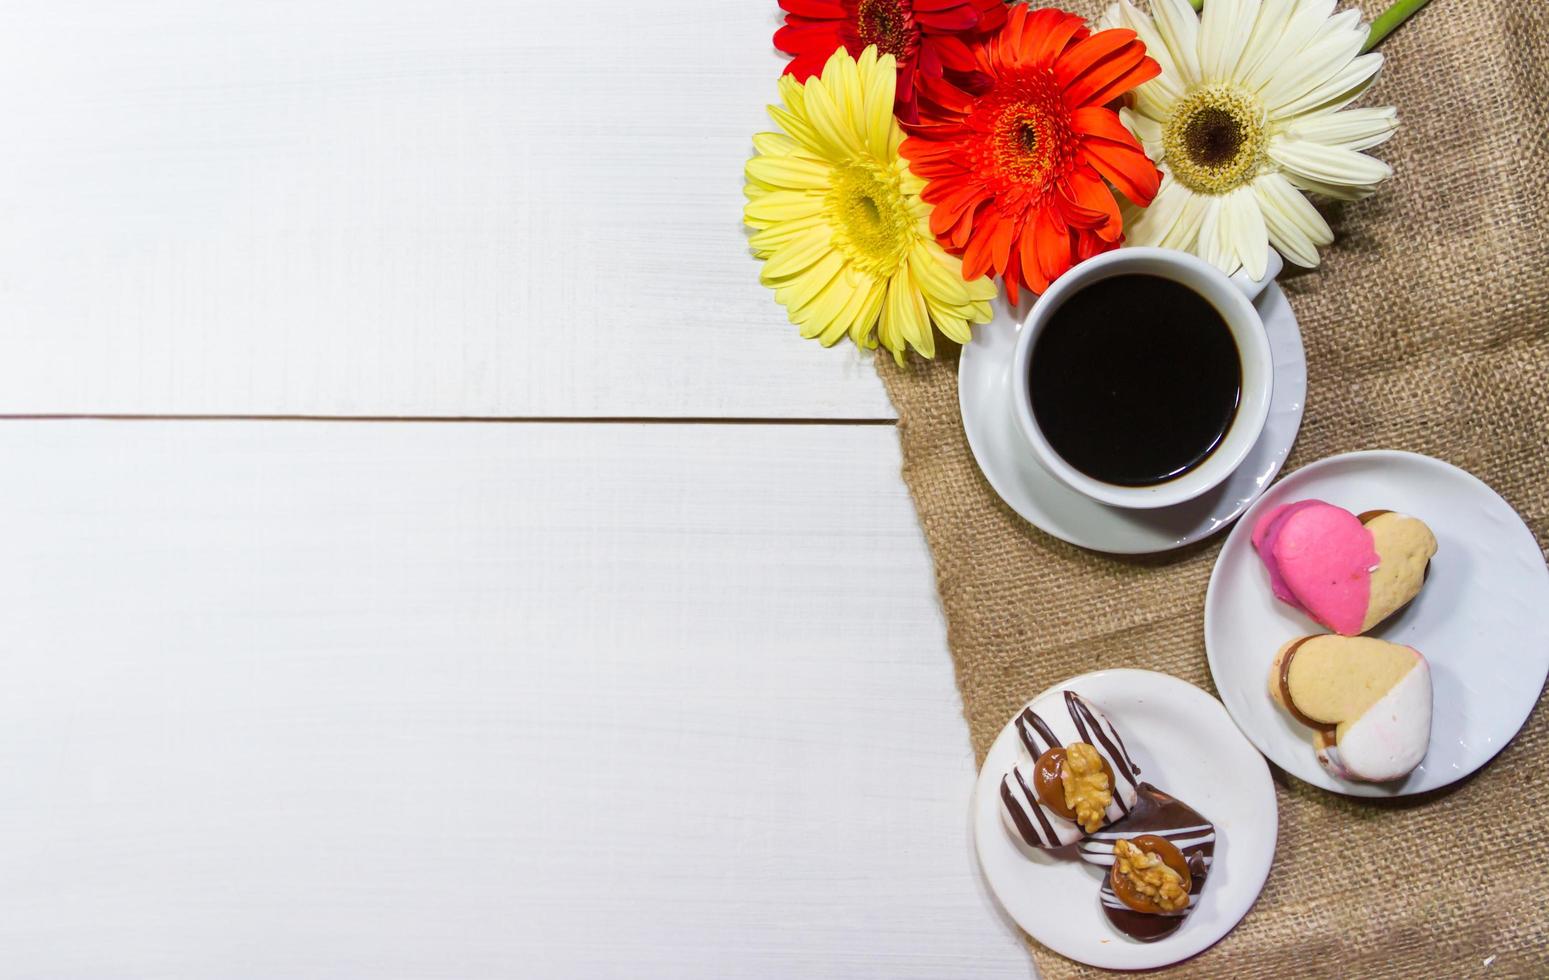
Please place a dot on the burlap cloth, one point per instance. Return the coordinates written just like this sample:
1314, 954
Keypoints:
1427, 329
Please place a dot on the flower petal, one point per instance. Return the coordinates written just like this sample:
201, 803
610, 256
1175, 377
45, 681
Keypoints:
1053, 245
1028, 268
775, 144
1087, 53
1184, 234
789, 173
1338, 91
1244, 232
1042, 34
1212, 245
1178, 26
1295, 226
1330, 165
877, 114
1124, 164
1113, 76
936, 278
1150, 226
904, 319
1330, 52
1147, 130
863, 324
978, 258
1268, 32
799, 292
832, 312
765, 241
827, 116
1099, 211
1352, 129
797, 256
801, 131
1166, 86
1225, 27
781, 206
1302, 23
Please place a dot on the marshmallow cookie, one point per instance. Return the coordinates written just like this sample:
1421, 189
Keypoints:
1073, 776
1368, 702
1158, 858
1349, 573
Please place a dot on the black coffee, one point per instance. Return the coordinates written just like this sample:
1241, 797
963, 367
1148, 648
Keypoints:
1135, 380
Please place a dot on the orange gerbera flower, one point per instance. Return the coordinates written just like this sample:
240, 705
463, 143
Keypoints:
1016, 172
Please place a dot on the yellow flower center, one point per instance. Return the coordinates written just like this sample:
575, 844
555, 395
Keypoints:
871, 220
1215, 140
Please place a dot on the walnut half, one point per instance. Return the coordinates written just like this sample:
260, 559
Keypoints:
1147, 882
1088, 785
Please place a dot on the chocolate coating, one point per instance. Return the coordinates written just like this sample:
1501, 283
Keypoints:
1160, 815
1030, 791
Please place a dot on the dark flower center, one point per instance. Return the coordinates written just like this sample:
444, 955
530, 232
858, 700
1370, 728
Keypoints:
1215, 139
1212, 136
1027, 135
1030, 135
889, 24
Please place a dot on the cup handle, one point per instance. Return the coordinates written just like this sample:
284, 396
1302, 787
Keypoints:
1252, 287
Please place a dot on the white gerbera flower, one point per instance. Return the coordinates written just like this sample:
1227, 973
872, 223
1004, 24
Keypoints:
1250, 110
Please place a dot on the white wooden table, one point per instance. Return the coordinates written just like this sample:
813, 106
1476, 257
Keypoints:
486, 582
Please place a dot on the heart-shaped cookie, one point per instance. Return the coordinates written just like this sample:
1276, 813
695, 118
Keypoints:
1156, 823
1368, 702
1349, 573
1072, 777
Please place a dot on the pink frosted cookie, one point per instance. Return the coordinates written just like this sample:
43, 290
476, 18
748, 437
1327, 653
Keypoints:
1347, 572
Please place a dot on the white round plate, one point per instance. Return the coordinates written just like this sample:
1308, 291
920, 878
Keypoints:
1482, 619
1185, 745
984, 396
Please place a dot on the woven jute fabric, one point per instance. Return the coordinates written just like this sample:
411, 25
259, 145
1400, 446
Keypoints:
1427, 329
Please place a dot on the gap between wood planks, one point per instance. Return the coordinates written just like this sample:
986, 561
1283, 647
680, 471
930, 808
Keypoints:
482, 419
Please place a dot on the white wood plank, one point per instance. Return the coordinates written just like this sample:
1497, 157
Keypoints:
389, 700
393, 207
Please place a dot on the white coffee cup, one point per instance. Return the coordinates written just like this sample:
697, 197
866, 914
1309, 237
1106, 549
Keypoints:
1232, 297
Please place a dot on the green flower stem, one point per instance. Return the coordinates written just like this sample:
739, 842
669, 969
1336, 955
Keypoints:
1390, 19
1197, 4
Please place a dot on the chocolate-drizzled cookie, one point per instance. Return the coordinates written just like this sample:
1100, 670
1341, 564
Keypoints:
1033, 807
1158, 815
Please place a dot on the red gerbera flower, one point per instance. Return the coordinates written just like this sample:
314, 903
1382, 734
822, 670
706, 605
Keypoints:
1016, 171
928, 37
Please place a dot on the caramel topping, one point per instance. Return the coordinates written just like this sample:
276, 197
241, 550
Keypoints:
1367, 516
1075, 782
1048, 785
1150, 875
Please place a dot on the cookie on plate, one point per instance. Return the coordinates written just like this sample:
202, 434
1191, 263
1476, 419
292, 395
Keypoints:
1368, 702
1072, 777
1348, 573
1167, 850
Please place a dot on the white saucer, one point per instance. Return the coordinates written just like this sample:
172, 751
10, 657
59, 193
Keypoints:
984, 393
1482, 619
1185, 745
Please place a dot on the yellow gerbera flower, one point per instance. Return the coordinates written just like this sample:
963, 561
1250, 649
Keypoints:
839, 223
